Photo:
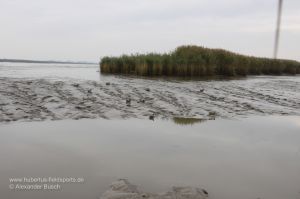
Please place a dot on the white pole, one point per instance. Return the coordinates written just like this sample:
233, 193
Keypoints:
277, 34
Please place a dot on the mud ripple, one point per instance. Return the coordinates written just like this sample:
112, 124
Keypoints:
40, 99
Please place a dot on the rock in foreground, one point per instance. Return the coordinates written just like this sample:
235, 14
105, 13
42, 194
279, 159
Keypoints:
123, 189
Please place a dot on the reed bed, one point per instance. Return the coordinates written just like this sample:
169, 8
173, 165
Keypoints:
196, 61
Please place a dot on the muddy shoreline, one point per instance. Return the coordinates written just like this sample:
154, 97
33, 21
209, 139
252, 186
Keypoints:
41, 99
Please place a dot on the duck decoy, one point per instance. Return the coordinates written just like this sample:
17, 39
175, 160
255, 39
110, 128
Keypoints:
128, 101
151, 117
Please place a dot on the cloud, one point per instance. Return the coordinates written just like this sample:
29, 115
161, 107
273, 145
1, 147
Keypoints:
89, 29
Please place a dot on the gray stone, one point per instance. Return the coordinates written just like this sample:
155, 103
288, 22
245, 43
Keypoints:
123, 189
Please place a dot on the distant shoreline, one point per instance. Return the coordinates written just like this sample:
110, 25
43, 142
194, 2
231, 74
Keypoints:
42, 62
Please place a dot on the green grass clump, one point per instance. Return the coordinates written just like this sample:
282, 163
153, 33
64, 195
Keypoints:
195, 61
187, 121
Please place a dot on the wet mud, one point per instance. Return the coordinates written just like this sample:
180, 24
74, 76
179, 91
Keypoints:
123, 97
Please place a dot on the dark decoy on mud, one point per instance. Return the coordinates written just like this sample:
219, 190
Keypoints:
141, 101
128, 101
151, 117
205, 192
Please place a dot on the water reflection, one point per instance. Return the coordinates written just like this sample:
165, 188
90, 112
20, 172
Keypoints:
187, 121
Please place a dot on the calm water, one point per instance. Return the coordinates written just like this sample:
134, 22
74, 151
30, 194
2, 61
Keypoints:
258, 157
49, 71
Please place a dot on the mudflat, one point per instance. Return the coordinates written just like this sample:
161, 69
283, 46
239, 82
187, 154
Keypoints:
124, 97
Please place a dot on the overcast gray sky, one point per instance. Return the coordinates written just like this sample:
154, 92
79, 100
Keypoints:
89, 29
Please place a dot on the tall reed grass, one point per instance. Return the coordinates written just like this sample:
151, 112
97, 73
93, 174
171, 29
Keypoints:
195, 61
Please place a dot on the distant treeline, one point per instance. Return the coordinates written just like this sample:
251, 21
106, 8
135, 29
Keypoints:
42, 62
197, 61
